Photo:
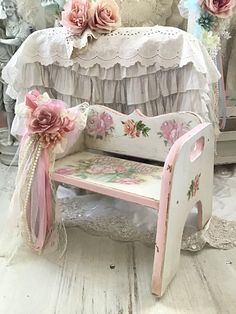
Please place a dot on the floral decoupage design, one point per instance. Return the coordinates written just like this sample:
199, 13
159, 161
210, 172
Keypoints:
99, 125
171, 130
111, 170
135, 129
194, 186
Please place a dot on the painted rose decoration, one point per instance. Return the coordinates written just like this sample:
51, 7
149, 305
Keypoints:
99, 125
172, 130
194, 186
110, 169
135, 129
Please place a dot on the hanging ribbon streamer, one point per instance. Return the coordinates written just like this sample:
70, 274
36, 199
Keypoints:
193, 15
34, 219
221, 92
197, 16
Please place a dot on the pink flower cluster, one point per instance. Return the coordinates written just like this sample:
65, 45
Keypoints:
130, 129
220, 8
196, 184
106, 169
171, 131
47, 120
102, 16
99, 124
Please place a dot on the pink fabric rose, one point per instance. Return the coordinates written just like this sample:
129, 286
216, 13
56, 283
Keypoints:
48, 120
104, 16
75, 15
171, 131
45, 118
130, 129
31, 99
220, 8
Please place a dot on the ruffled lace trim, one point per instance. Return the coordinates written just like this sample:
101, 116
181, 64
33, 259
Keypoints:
166, 46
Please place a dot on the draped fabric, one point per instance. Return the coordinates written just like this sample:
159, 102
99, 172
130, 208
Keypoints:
156, 69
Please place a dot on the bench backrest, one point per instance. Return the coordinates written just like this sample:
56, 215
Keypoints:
136, 134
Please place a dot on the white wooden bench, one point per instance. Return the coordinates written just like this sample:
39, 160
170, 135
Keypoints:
181, 140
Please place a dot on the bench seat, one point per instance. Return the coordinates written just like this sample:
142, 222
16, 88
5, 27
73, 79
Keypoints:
130, 180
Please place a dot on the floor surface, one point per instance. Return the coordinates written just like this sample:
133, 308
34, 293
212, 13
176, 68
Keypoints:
100, 276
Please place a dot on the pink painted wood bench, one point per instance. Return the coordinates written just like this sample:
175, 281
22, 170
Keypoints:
181, 140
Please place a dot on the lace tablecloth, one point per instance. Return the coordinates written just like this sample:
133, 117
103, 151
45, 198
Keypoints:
156, 69
123, 221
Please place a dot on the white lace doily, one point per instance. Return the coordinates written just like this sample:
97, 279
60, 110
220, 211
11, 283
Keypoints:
123, 221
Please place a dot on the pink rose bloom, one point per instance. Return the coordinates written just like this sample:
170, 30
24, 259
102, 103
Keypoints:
75, 15
101, 128
121, 169
130, 129
129, 181
107, 120
47, 118
93, 123
108, 169
196, 184
171, 131
104, 16
31, 99
95, 169
65, 171
220, 8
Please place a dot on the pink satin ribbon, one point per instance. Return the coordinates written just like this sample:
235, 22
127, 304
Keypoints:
45, 205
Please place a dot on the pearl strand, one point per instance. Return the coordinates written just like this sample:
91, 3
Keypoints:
27, 232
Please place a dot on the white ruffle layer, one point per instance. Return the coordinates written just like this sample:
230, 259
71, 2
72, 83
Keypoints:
101, 86
123, 89
156, 69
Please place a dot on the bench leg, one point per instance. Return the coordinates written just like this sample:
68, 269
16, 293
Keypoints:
204, 212
168, 242
187, 181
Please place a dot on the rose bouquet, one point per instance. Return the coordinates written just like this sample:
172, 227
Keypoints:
50, 128
48, 120
211, 19
101, 16
214, 20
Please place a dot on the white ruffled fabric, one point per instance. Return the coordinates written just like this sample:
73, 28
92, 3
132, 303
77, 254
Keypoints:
156, 69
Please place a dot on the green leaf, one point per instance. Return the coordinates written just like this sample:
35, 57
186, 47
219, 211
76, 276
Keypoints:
140, 125
82, 176
145, 131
